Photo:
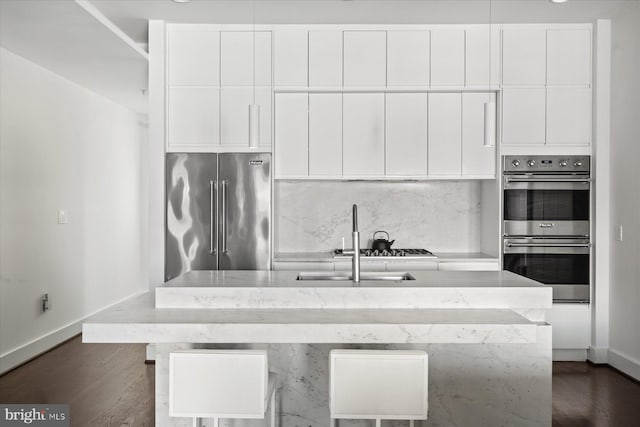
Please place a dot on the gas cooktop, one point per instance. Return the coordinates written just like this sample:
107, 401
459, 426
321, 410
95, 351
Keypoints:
404, 253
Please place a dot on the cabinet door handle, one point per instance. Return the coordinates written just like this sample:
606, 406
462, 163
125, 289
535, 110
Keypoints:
489, 124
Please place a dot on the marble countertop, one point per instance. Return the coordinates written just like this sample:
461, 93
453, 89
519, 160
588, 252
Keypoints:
280, 289
137, 320
287, 279
328, 257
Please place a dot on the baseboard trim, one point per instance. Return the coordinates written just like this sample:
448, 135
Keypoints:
625, 363
569, 355
20, 355
598, 355
32, 349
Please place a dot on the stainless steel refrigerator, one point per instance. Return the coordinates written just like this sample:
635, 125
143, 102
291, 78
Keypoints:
218, 212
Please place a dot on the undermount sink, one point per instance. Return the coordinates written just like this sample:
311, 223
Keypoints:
346, 275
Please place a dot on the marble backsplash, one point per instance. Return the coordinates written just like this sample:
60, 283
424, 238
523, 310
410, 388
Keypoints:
442, 216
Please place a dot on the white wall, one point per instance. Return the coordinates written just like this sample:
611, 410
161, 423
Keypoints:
624, 337
63, 147
442, 216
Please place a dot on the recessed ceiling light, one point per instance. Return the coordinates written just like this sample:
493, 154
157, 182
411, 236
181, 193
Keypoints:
181, 1
559, 1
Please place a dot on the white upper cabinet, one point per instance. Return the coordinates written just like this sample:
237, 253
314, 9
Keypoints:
237, 58
569, 57
568, 116
365, 58
523, 116
291, 130
363, 134
524, 55
478, 155
193, 56
447, 57
193, 117
406, 134
380, 101
325, 58
482, 56
234, 115
407, 58
547, 96
445, 134
325, 134
290, 57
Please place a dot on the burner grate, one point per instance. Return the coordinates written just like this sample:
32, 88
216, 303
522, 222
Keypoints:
390, 253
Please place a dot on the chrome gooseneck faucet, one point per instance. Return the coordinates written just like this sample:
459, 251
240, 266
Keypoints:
355, 251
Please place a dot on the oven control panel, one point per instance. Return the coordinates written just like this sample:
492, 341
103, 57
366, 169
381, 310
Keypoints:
546, 164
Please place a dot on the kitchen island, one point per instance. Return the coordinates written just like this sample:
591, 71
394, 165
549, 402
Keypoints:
489, 347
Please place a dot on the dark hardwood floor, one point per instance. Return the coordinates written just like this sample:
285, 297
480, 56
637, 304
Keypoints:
104, 384
110, 385
585, 395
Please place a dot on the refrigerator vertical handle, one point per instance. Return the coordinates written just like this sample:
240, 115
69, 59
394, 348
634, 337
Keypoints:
223, 185
212, 230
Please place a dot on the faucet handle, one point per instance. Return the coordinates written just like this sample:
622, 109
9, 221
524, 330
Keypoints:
355, 217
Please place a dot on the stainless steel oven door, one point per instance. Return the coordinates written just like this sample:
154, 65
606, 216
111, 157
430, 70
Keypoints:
560, 263
546, 205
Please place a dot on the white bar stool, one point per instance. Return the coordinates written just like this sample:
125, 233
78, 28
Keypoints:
220, 384
378, 384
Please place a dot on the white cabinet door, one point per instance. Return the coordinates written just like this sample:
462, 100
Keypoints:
569, 116
447, 57
445, 134
523, 56
363, 134
406, 134
193, 57
290, 57
234, 115
569, 57
237, 58
482, 46
325, 58
365, 58
523, 116
291, 133
407, 58
325, 134
264, 98
477, 159
571, 325
193, 117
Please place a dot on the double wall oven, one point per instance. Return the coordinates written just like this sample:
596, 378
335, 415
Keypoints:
546, 229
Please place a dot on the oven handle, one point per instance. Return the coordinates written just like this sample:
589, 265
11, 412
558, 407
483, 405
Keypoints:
549, 245
549, 180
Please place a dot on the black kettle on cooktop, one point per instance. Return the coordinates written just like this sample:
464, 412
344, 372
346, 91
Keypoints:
381, 244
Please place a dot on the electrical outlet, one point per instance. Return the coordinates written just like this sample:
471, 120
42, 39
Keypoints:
45, 302
63, 217
619, 233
